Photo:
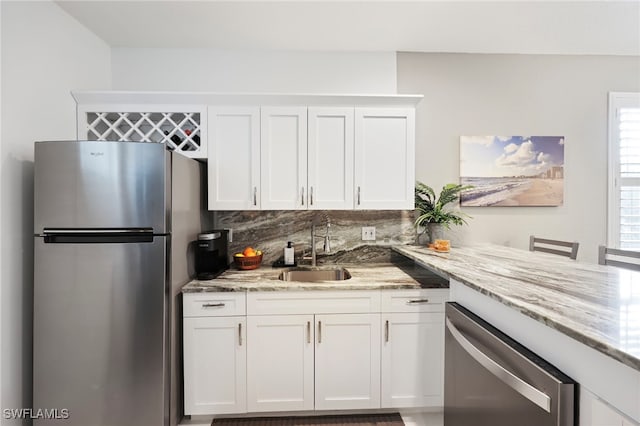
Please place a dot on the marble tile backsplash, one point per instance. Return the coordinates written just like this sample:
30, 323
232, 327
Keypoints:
269, 231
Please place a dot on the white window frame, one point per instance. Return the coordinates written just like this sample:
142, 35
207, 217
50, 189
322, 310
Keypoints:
617, 100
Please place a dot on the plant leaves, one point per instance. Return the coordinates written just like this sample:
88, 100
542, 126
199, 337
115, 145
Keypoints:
431, 209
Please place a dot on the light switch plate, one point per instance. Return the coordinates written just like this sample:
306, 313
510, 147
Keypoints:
368, 233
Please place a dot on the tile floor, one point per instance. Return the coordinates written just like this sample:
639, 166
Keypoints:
423, 419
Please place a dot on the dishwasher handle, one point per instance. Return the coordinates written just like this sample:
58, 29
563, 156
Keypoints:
534, 395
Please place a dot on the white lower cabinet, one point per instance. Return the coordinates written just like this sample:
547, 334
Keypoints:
412, 360
280, 363
291, 358
313, 350
596, 412
215, 365
347, 361
215, 353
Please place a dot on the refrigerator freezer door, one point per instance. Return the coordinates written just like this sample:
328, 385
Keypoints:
89, 184
100, 332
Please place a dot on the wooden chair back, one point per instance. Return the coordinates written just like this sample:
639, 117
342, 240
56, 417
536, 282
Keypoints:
627, 259
562, 248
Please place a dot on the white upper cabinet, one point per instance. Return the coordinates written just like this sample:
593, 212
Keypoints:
273, 151
384, 158
283, 136
234, 158
330, 158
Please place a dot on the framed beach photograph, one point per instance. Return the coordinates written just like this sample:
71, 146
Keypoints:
512, 170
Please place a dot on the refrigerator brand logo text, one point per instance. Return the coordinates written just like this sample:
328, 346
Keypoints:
97, 154
40, 413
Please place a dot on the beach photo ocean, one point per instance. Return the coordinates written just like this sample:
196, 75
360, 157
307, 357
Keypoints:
512, 170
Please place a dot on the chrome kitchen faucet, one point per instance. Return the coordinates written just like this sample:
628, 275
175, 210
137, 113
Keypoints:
326, 237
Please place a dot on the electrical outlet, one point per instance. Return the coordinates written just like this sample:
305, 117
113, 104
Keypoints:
368, 233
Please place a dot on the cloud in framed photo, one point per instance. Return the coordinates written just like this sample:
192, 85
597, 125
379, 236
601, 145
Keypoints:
512, 171
523, 159
480, 140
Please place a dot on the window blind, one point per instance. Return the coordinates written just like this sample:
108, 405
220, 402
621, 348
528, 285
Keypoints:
628, 125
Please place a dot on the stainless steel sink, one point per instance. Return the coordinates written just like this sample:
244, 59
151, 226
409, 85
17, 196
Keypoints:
315, 274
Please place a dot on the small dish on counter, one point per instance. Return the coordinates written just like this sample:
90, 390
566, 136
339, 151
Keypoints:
441, 246
438, 251
247, 263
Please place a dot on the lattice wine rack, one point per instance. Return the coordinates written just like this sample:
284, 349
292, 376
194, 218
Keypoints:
180, 131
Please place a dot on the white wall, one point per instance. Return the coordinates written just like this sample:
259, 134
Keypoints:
472, 94
253, 71
45, 54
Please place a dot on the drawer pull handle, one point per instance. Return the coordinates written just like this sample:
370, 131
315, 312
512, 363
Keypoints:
386, 331
240, 333
308, 331
302, 196
213, 305
311, 195
255, 195
319, 331
415, 301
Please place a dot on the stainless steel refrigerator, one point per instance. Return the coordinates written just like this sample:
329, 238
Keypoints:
113, 222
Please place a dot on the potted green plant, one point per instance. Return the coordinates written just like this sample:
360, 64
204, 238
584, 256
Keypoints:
434, 213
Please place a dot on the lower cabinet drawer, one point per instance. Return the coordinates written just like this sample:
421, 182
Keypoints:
422, 300
213, 304
316, 302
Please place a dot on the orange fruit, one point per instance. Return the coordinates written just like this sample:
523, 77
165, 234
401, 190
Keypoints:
249, 252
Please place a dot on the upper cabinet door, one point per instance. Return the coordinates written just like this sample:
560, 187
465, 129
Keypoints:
330, 158
284, 158
234, 158
384, 158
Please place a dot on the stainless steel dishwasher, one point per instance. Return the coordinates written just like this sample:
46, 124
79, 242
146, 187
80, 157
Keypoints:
491, 380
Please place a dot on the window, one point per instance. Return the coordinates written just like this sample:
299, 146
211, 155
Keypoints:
624, 171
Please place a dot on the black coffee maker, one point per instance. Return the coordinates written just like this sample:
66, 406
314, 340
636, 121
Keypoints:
211, 253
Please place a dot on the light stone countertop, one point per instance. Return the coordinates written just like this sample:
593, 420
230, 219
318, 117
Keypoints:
363, 277
597, 305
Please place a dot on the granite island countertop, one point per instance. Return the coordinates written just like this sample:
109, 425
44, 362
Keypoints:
375, 276
596, 305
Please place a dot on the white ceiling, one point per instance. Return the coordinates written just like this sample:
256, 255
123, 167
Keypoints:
545, 27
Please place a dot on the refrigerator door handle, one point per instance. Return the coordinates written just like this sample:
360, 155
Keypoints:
539, 398
96, 235
110, 231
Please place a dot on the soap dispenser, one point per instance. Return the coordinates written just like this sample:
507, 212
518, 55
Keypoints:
289, 259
